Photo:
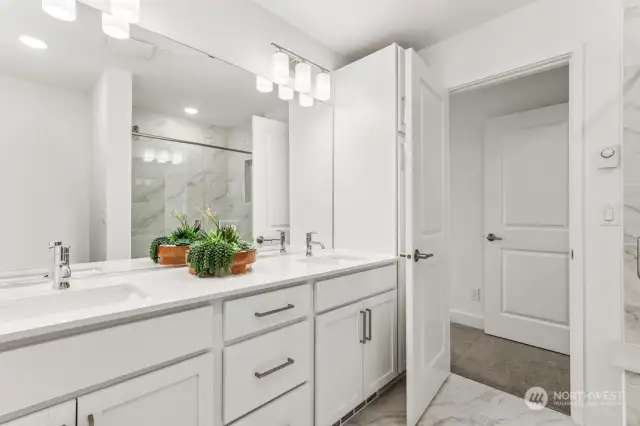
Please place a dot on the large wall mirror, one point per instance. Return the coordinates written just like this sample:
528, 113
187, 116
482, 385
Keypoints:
103, 166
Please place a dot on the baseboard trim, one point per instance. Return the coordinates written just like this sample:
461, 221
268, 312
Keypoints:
465, 318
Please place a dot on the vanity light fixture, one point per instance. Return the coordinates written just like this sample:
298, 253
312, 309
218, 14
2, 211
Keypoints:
191, 110
285, 93
263, 85
303, 77
115, 27
323, 86
280, 64
305, 100
149, 155
33, 42
65, 10
163, 156
126, 10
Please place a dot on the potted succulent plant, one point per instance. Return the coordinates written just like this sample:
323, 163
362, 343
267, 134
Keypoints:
172, 249
220, 251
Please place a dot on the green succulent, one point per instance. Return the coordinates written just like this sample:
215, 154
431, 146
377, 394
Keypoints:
211, 257
153, 249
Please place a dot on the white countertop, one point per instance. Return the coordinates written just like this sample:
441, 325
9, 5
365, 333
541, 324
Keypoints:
157, 288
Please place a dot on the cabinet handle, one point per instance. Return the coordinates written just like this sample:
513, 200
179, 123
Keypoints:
92, 420
364, 327
273, 370
370, 322
275, 311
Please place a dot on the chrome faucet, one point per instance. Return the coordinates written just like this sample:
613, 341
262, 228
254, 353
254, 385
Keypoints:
60, 271
310, 243
282, 238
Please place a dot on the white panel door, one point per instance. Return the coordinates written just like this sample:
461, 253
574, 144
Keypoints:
427, 225
380, 352
60, 415
270, 181
527, 228
339, 341
178, 395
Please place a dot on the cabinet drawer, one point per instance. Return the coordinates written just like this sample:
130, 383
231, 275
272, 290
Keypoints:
263, 368
343, 290
292, 409
253, 314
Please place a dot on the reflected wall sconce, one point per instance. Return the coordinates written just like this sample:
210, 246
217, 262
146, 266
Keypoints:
281, 63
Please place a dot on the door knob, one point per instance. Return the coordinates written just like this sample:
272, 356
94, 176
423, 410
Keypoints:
417, 256
493, 237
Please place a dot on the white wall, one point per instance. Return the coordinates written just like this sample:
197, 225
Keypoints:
534, 33
468, 116
44, 172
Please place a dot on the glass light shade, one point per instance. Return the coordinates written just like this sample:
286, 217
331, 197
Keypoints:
263, 85
306, 100
177, 158
126, 10
280, 64
33, 42
303, 78
163, 156
65, 10
149, 155
323, 86
115, 27
285, 93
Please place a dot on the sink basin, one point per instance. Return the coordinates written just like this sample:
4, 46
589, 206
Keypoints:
330, 259
20, 279
62, 301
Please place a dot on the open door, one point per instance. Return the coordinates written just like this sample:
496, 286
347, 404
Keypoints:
427, 228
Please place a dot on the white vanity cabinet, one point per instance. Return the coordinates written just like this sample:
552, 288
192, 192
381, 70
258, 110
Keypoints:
178, 395
59, 415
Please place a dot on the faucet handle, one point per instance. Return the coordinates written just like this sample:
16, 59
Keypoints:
53, 244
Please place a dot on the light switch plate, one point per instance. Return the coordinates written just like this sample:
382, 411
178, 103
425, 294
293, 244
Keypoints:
610, 215
609, 157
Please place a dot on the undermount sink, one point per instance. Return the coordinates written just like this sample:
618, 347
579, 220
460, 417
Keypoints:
330, 259
62, 301
30, 278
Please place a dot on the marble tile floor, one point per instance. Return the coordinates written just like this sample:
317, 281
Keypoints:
460, 402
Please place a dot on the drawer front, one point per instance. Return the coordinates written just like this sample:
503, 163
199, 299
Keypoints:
52, 369
253, 314
292, 409
263, 368
349, 288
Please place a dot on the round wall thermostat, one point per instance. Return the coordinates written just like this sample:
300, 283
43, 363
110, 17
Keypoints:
608, 152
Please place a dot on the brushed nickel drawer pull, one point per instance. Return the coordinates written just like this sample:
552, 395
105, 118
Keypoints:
364, 327
275, 311
276, 369
368, 338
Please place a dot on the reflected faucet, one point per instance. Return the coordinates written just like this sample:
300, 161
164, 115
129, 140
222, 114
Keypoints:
310, 243
60, 271
282, 238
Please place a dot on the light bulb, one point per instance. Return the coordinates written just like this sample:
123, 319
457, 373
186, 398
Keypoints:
280, 63
149, 155
263, 85
191, 111
323, 86
285, 93
177, 158
303, 78
126, 10
65, 10
115, 27
305, 100
33, 42
163, 156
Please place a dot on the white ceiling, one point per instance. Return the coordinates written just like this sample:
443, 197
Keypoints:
167, 76
355, 28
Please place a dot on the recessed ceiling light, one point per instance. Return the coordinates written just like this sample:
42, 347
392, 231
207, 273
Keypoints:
33, 42
191, 111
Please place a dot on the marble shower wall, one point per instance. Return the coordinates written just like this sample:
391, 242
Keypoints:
191, 179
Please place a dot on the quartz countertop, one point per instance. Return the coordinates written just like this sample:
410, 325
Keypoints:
156, 289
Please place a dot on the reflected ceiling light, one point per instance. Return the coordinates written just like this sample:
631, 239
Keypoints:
323, 86
163, 156
191, 110
285, 93
303, 77
65, 10
126, 10
305, 100
33, 42
115, 27
263, 85
280, 64
177, 158
149, 155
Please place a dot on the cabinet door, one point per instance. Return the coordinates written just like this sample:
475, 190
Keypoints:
380, 351
339, 337
178, 395
59, 415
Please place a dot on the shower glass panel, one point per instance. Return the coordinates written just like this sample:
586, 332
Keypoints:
170, 177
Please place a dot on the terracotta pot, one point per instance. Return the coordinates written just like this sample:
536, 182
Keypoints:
241, 263
172, 255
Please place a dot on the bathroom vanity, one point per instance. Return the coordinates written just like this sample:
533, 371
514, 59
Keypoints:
299, 341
